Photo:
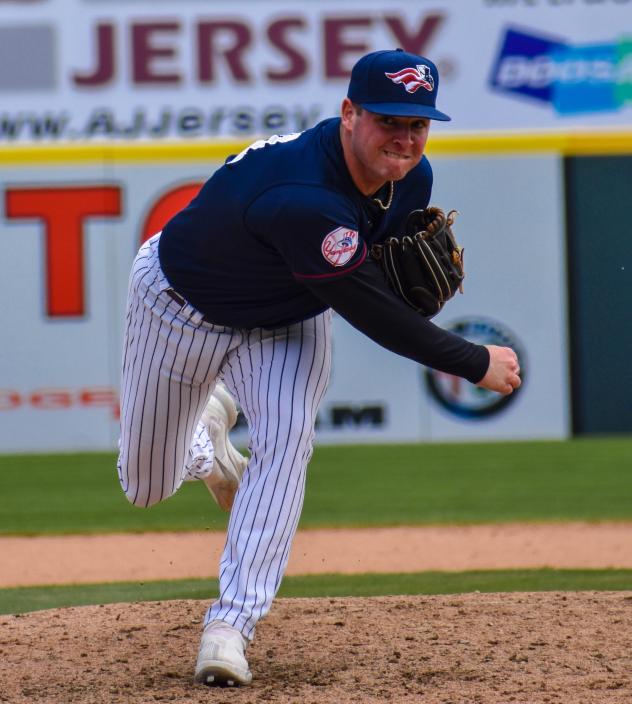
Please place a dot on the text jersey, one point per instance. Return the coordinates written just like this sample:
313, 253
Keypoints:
283, 212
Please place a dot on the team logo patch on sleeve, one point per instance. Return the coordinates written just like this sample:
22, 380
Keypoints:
339, 246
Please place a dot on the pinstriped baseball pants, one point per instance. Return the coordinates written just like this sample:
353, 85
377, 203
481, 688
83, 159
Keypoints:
172, 360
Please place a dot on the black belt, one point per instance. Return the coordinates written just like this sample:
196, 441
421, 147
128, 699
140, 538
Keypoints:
183, 302
176, 296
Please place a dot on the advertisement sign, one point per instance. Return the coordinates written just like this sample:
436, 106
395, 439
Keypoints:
512, 226
86, 70
69, 234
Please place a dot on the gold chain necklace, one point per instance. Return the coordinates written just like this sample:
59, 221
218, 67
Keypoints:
390, 198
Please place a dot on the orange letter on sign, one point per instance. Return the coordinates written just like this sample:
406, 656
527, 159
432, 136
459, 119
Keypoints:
63, 211
166, 207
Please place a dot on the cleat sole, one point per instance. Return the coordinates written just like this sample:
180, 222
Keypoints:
221, 674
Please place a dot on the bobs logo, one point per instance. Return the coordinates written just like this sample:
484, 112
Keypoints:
339, 246
465, 400
524, 65
573, 79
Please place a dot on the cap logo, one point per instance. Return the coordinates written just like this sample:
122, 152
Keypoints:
413, 78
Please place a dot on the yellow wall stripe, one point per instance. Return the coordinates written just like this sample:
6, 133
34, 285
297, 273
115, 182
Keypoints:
70, 154
453, 144
567, 144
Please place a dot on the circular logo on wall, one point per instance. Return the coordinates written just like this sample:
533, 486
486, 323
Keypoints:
459, 396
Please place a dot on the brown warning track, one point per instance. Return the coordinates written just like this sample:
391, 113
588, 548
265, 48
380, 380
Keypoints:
155, 556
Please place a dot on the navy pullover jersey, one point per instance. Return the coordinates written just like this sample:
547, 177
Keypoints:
283, 212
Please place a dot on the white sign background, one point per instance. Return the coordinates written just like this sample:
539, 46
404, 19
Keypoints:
514, 255
148, 64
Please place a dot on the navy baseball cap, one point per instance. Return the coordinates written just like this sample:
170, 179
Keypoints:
394, 82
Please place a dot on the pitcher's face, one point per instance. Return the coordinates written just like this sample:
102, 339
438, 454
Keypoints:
381, 148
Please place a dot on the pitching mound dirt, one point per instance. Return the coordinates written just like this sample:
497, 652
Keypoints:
487, 648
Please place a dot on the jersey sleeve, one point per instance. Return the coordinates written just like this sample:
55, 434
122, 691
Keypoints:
315, 230
365, 300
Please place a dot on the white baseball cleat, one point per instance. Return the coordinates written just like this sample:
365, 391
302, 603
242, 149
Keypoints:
221, 659
219, 416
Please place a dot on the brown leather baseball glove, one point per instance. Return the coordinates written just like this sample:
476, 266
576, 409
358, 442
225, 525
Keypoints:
424, 266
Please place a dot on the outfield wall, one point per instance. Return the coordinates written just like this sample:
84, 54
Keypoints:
106, 118
72, 219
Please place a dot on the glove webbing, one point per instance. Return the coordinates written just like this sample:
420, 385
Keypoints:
442, 285
392, 269
441, 282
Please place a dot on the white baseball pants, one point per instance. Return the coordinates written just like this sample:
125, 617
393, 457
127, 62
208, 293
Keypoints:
172, 360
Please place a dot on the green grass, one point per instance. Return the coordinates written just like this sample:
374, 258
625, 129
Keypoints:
21, 600
587, 479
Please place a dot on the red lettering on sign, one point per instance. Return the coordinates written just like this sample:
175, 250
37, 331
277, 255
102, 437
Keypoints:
166, 207
63, 211
61, 399
277, 34
9, 399
144, 51
236, 46
241, 36
106, 65
414, 41
101, 398
337, 46
51, 399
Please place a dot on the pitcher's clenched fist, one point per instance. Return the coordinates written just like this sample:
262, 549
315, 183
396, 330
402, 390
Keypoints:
503, 373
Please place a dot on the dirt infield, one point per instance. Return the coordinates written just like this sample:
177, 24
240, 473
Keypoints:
535, 648
467, 649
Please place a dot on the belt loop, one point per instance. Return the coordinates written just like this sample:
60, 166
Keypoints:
194, 315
